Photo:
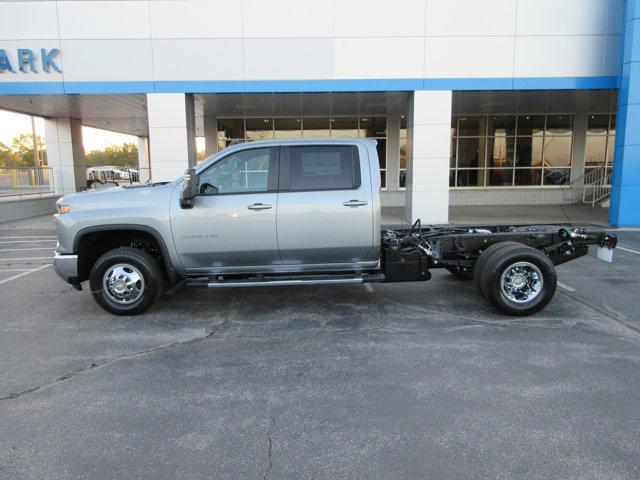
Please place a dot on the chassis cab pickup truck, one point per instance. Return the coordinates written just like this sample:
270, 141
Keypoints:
292, 213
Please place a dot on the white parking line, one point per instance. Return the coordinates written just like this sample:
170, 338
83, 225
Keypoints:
24, 258
566, 287
23, 249
16, 270
22, 274
368, 287
32, 236
31, 241
628, 250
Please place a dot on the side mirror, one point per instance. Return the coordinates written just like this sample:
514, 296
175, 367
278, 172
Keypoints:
189, 188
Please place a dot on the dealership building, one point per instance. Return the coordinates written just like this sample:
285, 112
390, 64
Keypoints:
492, 102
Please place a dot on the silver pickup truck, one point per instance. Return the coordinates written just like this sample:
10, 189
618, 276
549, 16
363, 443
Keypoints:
291, 212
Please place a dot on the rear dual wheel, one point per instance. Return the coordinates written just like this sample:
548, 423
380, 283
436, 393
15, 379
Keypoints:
516, 279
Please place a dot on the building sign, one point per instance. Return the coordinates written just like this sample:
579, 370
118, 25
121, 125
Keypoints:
26, 60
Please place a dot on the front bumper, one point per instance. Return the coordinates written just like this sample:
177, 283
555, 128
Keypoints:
66, 266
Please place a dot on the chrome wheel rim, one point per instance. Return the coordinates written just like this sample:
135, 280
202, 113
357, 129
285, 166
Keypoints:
123, 283
521, 282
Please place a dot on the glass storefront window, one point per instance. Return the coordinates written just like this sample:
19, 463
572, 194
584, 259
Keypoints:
470, 178
510, 150
470, 152
231, 128
344, 127
600, 142
288, 127
557, 176
259, 128
559, 125
316, 127
501, 125
529, 151
500, 177
530, 124
500, 150
472, 126
557, 151
595, 150
528, 176
372, 127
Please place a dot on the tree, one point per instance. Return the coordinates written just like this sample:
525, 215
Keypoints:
7, 158
125, 155
22, 146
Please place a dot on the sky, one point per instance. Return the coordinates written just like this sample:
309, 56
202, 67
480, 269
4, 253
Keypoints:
13, 124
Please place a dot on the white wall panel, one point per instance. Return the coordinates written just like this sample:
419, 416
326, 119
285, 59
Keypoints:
554, 56
291, 58
562, 17
469, 57
379, 18
28, 20
196, 19
287, 18
471, 17
379, 57
103, 19
107, 60
191, 59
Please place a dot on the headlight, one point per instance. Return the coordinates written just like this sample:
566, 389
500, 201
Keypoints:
63, 208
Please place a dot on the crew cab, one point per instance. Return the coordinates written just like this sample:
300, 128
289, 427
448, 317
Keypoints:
292, 212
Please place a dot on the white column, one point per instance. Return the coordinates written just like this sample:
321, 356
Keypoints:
428, 152
65, 154
143, 152
210, 136
172, 134
393, 152
579, 144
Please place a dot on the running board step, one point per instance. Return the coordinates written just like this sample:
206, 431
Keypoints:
276, 281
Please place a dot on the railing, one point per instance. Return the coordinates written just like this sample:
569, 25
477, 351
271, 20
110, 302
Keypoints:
24, 181
590, 188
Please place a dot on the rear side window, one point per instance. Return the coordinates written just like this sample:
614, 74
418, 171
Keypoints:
321, 167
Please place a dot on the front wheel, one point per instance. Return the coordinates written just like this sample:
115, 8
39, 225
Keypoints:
126, 281
519, 280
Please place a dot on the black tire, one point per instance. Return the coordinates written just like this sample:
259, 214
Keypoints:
539, 268
460, 273
482, 260
140, 265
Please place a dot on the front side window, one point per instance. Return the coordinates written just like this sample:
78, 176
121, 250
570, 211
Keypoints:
246, 171
323, 167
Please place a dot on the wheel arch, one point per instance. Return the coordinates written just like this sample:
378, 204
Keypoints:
89, 232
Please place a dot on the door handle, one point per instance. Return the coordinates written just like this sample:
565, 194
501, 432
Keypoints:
355, 203
259, 206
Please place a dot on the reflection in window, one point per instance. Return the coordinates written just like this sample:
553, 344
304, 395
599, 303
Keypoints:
470, 151
288, 127
344, 127
316, 127
600, 143
510, 150
402, 172
250, 129
557, 151
241, 172
259, 128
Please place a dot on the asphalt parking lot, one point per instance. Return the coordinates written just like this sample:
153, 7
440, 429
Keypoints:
417, 380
